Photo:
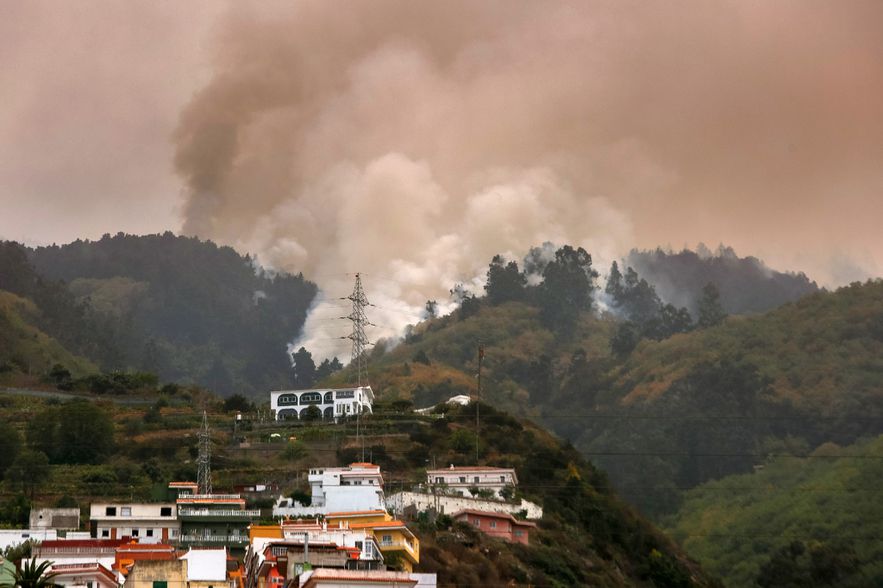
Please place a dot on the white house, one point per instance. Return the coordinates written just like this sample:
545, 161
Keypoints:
356, 487
149, 523
332, 403
466, 479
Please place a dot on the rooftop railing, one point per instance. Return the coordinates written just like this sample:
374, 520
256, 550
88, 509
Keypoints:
214, 539
209, 496
218, 513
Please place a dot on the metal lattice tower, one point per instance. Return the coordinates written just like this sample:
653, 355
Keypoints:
204, 477
360, 321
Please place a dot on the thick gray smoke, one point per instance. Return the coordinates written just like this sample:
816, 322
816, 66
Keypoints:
412, 141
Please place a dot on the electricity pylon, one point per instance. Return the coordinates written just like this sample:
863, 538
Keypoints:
204, 477
360, 321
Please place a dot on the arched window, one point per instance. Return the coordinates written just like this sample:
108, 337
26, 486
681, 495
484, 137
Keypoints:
329, 412
287, 400
329, 397
311, 398
287, 413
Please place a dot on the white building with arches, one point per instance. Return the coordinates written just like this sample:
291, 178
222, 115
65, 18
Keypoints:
333, 403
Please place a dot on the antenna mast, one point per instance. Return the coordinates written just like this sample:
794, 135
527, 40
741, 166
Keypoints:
204, 477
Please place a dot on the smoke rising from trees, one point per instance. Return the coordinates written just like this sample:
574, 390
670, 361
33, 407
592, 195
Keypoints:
415, 141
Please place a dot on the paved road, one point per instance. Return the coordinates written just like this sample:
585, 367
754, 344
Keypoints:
127, 400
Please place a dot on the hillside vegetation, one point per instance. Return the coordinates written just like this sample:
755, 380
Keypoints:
820, 518
673, 413
746, 284
586, 537
184, 309
24, 347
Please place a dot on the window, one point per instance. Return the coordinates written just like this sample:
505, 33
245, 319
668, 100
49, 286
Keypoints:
476, 522
110, 511
173, 533
503, 479
311, 398
439, 480
493, 524
134, 532
475, 479
329, 397
287, 399
160, 584
105, 532
519, 533
126, 511
149, 532
386, 540
462, 479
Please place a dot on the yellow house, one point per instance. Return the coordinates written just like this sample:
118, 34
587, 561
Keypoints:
396, 539
157, 574
393, 537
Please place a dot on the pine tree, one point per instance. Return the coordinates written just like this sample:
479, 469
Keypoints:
614, 287
711, 312
504, 281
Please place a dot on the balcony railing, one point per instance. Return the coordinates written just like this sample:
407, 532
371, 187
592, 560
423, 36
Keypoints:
214, 539
396, 546
209, 496
218, 513
138, 517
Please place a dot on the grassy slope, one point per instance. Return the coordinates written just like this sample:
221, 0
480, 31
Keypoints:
25, 345
733, 525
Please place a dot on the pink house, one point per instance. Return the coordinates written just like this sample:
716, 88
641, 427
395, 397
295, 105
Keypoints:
496, 524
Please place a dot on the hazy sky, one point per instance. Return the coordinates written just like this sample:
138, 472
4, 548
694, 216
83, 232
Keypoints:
414, 140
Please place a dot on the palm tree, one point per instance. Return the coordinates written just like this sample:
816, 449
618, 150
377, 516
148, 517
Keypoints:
32, 575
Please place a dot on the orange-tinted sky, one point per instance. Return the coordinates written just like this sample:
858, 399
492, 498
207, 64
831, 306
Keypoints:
417, 139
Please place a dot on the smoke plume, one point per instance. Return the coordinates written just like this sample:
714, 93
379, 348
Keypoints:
412, 141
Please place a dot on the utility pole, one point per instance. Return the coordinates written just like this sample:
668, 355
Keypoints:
478, 403
204, 476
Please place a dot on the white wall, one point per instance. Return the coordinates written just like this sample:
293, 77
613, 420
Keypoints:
450, 504
9, 537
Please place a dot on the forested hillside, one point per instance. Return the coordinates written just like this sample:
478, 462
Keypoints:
673, 409
746, 284
182, 308
820, 517
673, 413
